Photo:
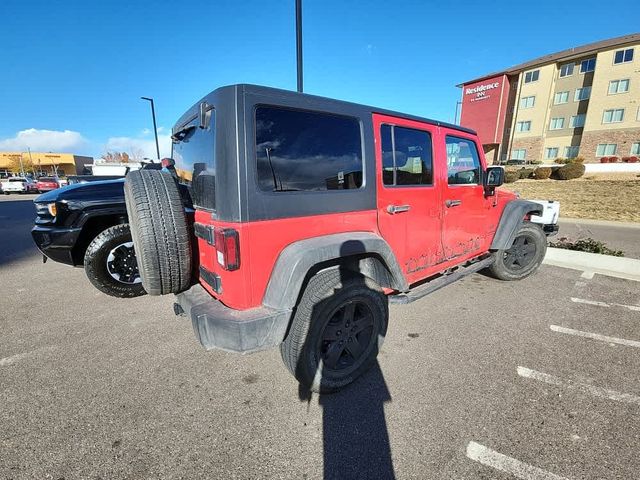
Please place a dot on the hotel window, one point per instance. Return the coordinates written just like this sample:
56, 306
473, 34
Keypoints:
571, 152
635, 148
566, 70
606, 149
619, 86
528, 102
524, 126
551, 152
623, 56
519, 154
577, 121
531, 76
561, 97
588, 65
613, 116
582, 94
557, 123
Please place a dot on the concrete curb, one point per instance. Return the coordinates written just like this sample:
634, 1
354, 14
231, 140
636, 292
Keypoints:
620, 267
599, 223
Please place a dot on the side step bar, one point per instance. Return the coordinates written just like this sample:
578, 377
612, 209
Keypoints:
439, 282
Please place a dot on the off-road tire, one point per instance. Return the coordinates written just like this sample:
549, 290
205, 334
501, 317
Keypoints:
160, 231
534, 238
325, 293
95, 263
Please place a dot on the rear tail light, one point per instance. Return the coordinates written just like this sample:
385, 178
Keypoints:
227, 244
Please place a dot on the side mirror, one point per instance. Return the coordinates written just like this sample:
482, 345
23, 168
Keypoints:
494, 177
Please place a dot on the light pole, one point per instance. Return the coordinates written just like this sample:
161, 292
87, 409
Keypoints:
455, 120
299, 42
155, 128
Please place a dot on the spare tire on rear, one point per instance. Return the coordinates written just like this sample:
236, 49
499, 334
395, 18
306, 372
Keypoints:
160, 231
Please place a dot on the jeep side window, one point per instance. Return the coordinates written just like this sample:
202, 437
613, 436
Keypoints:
406, 156
463, 162
307, 151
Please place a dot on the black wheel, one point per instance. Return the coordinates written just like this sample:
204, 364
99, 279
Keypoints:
110, 263
337, 331
160, 231
524, 257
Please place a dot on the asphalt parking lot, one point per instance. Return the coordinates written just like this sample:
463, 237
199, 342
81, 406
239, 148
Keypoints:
538, 379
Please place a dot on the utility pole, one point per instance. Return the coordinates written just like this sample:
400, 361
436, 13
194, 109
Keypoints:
155, 128
299, 43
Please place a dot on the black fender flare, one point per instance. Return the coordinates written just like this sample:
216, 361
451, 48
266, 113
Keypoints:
365, 252
510, 222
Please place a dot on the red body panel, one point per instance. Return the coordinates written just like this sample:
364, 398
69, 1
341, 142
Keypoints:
261, 243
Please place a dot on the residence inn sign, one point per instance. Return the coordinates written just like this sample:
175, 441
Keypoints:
482, 107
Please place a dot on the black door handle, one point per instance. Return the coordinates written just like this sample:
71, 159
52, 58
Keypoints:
452, 203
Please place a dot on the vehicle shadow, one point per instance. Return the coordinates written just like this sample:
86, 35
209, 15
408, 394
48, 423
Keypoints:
16, 220
354, 429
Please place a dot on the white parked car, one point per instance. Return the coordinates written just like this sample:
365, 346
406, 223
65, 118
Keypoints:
18, 185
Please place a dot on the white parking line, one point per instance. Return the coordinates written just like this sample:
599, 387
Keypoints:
589, 302
587, 275
593, 390
595, 336
491, 458
10, 360
633, 308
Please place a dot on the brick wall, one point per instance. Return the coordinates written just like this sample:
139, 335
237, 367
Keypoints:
623, 138
533, 146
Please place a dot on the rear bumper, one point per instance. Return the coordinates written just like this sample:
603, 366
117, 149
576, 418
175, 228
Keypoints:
241, 331
56, 243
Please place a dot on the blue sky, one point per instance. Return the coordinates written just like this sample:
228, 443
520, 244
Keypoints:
73, 71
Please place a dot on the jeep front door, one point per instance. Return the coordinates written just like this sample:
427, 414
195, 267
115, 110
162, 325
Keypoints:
408, 203
466, 225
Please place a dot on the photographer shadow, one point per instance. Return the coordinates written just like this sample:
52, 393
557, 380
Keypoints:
355, 435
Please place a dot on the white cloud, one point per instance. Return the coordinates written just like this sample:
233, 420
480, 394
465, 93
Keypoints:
66, 141
139, 147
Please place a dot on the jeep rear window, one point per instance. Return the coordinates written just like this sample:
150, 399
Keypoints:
307, 151
194, 155
406, 156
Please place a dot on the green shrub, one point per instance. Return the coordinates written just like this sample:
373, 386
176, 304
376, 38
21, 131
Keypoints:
525, 172
578, 160
561, 161
511, 176
542, 173
570, 171
587, 245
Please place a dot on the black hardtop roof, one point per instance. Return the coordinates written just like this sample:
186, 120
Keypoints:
333, 104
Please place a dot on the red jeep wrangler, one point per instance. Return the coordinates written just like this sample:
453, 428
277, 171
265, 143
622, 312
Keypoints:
293, 220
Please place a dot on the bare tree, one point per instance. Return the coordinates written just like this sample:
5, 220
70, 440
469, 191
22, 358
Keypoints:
116, 157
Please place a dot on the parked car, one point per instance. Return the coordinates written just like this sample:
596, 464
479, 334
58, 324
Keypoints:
73, 179
46, 184
516, 161
311, 215
86, 225
19, 185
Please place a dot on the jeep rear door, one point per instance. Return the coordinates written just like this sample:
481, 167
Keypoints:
408, 201
469, 219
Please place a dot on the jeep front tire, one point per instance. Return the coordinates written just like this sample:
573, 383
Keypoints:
524, 256
337, 330
110, 263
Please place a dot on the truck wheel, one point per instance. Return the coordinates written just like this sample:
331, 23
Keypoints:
524, 257
110, 263
160, 231
337, 331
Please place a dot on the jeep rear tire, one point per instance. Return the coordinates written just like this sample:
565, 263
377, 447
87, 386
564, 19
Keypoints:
337, 331
110, 263
160, 231
523, 257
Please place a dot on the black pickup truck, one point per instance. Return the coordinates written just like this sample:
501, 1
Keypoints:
86, 225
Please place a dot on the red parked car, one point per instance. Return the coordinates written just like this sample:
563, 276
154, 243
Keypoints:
46, 184
293, 220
